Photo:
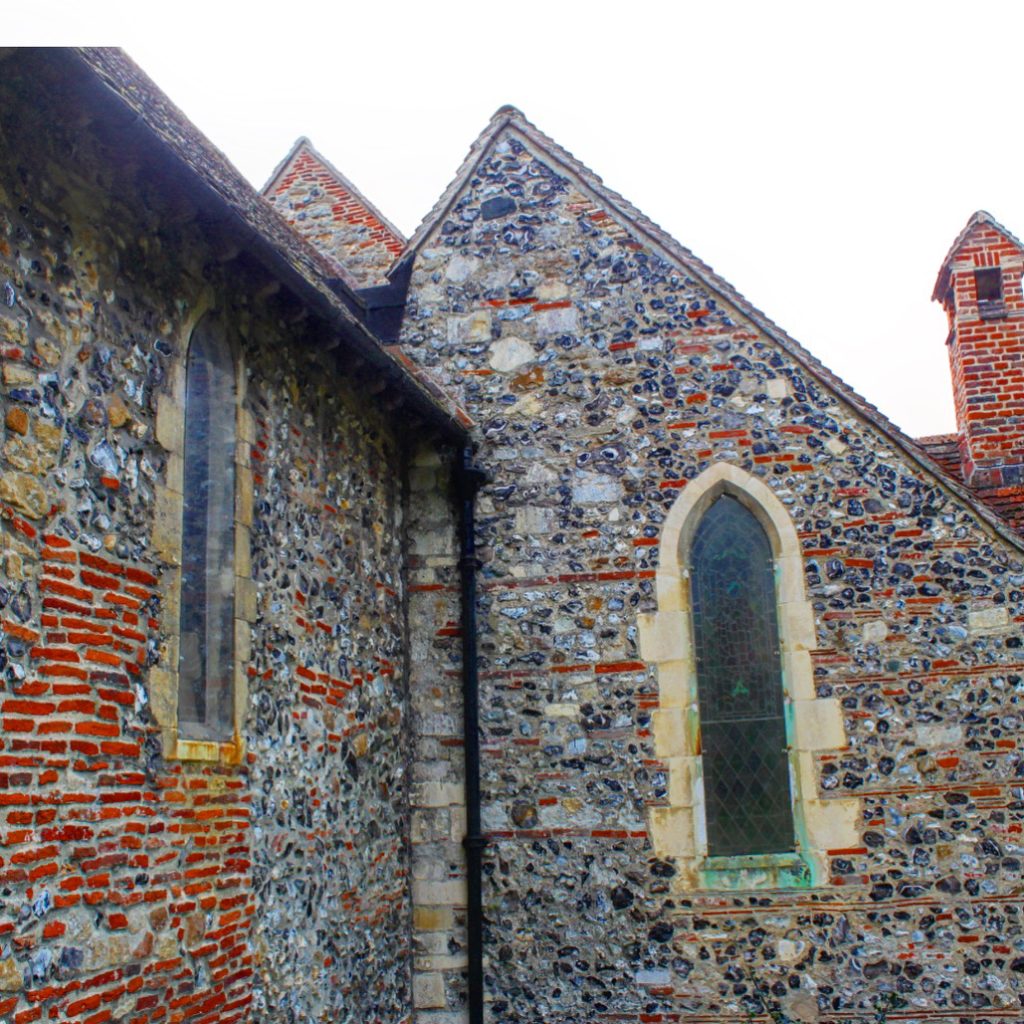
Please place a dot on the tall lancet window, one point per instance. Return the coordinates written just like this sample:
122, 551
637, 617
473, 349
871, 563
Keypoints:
206, 638
748, 805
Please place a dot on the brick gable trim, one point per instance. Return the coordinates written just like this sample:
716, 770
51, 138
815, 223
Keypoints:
303, 144
323, 206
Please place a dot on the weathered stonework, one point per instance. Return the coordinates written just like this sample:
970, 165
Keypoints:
321, 204
310, 866
143, 878
608, 371
438, 795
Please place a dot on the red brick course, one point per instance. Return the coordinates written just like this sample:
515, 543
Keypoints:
89, 824
320, 205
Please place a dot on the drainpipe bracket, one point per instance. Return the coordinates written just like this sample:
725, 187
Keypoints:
470, 479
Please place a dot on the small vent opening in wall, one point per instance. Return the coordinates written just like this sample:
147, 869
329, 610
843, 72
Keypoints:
989, 284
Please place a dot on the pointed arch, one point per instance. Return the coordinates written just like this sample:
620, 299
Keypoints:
748, 806
202, 521
679, 828
206, 624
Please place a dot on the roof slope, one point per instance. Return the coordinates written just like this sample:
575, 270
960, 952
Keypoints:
944, 450
323, 205
311, 275
1006, 501
510, 118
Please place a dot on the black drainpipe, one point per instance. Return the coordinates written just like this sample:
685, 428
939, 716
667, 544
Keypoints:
469, 479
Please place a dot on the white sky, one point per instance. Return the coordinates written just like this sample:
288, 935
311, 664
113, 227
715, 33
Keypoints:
820, 156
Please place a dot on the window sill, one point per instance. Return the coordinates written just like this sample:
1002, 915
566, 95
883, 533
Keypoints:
224, 752
757, 871
991, 310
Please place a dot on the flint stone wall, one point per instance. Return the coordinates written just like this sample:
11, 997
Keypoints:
604, 377
134, 887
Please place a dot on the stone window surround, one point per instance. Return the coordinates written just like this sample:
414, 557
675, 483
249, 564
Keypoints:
677, 827
167, 542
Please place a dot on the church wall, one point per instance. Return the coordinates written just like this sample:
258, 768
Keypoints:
271, 886
604, 380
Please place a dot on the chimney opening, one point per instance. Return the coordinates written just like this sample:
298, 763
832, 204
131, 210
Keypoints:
989, 285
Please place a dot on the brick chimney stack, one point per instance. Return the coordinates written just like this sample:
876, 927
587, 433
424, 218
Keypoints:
979, 286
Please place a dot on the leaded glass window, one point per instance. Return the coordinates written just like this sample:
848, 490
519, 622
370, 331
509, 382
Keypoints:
739, 680
206, 635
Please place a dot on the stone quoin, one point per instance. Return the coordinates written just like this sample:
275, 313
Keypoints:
468, 473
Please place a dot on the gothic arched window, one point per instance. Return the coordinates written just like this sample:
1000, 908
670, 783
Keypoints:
748, 804
206, 635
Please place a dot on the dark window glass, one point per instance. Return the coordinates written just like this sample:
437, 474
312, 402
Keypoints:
206, 661
739, 680
990, 284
